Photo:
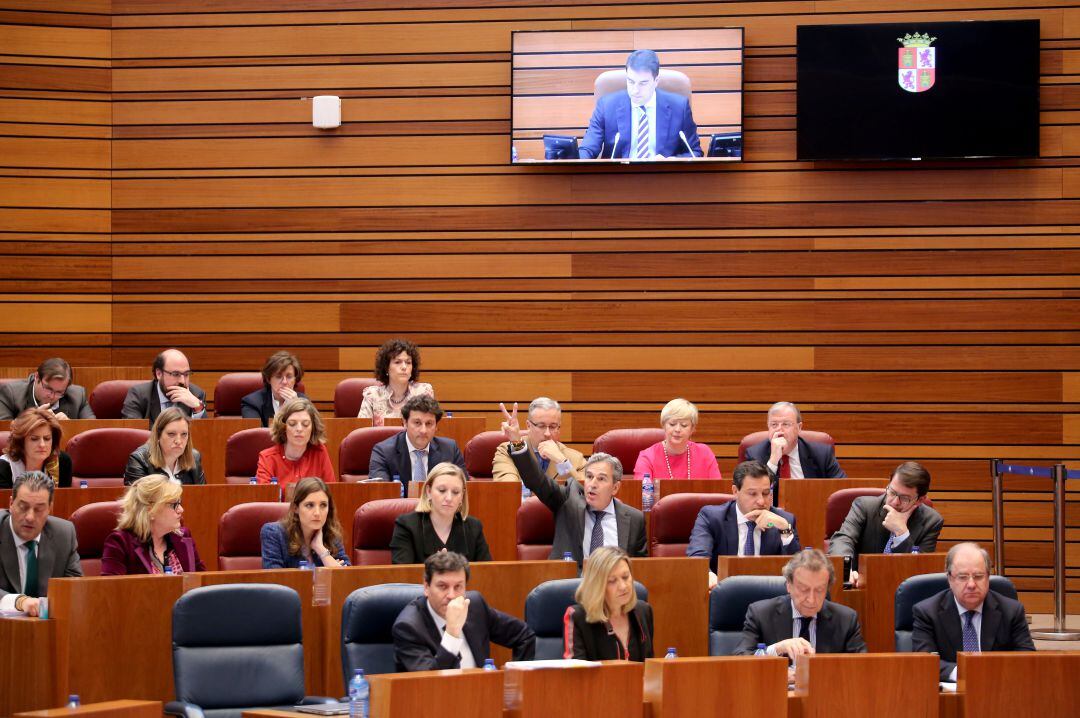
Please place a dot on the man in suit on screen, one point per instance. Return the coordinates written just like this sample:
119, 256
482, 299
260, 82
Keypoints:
646, 119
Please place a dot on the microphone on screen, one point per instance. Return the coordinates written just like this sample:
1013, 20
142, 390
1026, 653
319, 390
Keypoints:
615, 145
682, 136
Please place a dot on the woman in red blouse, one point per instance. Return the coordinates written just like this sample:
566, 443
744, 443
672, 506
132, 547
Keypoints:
299, 447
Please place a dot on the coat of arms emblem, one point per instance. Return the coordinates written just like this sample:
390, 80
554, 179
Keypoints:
917, 62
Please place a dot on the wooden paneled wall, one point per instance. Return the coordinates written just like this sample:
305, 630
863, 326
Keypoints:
162, 185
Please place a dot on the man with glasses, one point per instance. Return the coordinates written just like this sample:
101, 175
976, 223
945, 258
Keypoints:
788, 455
34, 546
50, 387
542, 425
896, 522
968, 616
171, 387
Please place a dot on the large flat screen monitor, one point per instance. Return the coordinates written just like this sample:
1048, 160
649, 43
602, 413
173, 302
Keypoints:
918, 90
627, 96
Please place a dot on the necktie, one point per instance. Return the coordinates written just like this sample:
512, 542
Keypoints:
804, 627
748, 545
971, 639
31, 582
888, 544
783, 468
641, 151
597, 540
543, 463
418, 473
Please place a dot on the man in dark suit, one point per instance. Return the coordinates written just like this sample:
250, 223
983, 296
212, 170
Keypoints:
893, 523
968, 616
170, 387
449, 628
412, 453
34, 546
789, 456
747, 526
587, 516
49, 387
647, 120
802, 622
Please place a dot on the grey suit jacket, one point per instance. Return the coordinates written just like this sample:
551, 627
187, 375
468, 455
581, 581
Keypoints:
862, 531
771, 620
142, 401
17, 396
568, 505
58, 554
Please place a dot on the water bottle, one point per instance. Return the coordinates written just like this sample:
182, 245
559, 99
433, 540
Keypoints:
914, 549
489, 664
253, 480
73, 701
647, 493
525, 492
166, 570
448, 415
760, 650
567, 556
304, 566
671, 653
359, 695
83, 484
273, 481
513, 154
401, 485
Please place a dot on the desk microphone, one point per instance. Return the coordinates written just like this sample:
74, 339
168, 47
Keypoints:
614, 145
682, 135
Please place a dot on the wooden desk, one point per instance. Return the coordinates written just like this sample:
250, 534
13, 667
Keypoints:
806, 498
27, 646
204, 506
883, 575
678, 594
113, 709
1038, 684
896, 685
475, 692
722, 686
460, 429
613, 688
771, 566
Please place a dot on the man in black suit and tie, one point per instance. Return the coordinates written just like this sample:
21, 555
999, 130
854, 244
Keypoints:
747, 526
586, 516
50, 387
34, 546
968, 616
896, 522
412, 453
449, 628
171, 386
803, 622
789, 456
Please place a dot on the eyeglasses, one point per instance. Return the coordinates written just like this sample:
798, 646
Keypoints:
175, 505
965, 577
774, 425
899, 498
545, 427
49, 391
177, 374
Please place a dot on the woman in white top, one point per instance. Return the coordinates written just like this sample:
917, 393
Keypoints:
397, 367
168, 451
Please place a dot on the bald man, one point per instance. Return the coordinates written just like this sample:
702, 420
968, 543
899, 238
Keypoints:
171, 387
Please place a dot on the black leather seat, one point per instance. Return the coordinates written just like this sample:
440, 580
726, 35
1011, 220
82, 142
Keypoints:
923, 586
367, 619
545, 607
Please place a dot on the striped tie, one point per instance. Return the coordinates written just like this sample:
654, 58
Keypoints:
641, 151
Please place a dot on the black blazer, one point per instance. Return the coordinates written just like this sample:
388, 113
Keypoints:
862, 531
63, 481
391, 456
260, 405
597, 642
138, 466
417, 641
771, 620
415, 539
938, 627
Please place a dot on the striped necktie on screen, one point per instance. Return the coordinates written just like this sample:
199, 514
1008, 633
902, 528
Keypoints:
641, 150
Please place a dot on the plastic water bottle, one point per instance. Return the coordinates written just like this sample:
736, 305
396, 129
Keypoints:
525, 492
73, 700
166, 570
671, 653
760, 650
401, 485
273, 481
253, 480
83, 484
513, 154
489, 664
914, 549
449, 415
359, 695
647, 493
304, 566
567, 556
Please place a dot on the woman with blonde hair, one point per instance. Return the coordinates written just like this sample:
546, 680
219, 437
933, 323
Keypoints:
676, 457
168, 451
299, 448
608, 622
35, 446
441, 521
308, 532
149, 537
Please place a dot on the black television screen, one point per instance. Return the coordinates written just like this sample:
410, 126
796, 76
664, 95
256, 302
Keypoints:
918, 90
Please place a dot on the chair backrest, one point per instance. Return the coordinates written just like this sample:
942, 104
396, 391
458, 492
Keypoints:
626, 444
238, 645
837, 507
233, 387
367, 619
93, 523
239, 546
107, 398
354, 454
545, 607
672, 520
99, 456
614, 80
349, 395
5, 439
727, 608
923, 586
242, 453
373, 526
480, 453
817, 437
535, 530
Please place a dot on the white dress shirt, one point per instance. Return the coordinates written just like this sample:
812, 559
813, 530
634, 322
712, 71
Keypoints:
741, 519
976, 623
793, 462
412, 459
457, 646
611, 531
163, 402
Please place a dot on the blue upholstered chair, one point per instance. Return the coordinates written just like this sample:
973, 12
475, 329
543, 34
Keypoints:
366, 622
545, 607
728, 602
923, 586
237, 647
